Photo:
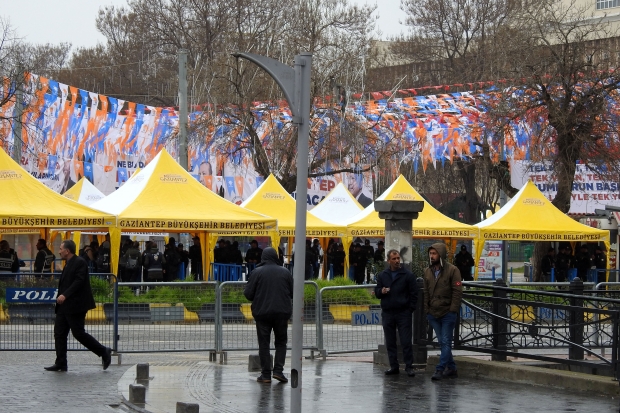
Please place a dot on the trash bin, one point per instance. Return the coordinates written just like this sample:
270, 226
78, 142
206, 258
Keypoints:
528, 251
528, 272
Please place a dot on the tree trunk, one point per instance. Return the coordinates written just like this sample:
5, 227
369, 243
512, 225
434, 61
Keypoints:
467, 170
540, 250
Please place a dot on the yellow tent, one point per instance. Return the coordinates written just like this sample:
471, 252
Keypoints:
29, 204
430, 223
84, 192
272, 198
529, 216
164, 197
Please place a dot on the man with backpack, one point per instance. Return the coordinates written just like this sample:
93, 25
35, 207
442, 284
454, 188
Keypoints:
44, 260
132, 263
154, 262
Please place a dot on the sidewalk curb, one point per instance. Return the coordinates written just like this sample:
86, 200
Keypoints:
132, 406
517, 372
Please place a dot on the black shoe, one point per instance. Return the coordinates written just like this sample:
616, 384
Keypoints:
106, 359
280, 377
410, 371
449, 373
56, 367
438, 375
392, 371
263, 379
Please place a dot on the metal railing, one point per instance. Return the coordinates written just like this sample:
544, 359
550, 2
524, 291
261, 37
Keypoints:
351, 323
504, 321
27, 312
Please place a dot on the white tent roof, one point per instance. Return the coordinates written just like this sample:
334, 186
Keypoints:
84, 193
338, 207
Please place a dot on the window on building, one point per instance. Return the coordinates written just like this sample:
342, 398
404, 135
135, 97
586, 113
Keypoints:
607, 4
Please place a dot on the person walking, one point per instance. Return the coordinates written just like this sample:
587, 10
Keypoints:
397, 289
270, 289
443, 291
75, 298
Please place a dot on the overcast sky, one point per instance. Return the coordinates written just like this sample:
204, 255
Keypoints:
73, 21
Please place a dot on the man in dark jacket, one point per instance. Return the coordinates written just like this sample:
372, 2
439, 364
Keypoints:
44, 260
397, 289
600, 261
195, 256
74, 300
270, 288
464, 262
443, 292
357, 260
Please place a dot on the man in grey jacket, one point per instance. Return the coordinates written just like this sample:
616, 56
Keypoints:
270, 288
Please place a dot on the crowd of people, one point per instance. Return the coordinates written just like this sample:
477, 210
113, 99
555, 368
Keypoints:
583, 261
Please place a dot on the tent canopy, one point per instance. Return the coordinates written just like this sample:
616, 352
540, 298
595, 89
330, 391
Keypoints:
529, 216
30, 204
338, 206
84, 193
272, 198
165, 197
430, 223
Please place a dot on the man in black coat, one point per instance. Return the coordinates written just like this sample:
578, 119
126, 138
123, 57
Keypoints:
74, 300
270, 288
398, 292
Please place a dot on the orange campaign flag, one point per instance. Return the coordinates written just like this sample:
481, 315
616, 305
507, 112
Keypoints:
78, 167
208, 181
239, 183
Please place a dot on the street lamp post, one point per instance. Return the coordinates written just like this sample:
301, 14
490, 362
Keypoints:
295, 83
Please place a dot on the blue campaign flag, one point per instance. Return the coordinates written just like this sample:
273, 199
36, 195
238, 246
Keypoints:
230, 184
88, 172
52, 160
121, 175
259, 180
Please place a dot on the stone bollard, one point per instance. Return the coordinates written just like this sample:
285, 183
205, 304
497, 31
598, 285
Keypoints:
137, 393
254, 362
142, 371
187, 407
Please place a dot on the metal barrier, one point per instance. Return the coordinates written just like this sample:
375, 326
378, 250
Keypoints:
164, 316
236, 329
349, 322
227, 272
27, 312
501, 321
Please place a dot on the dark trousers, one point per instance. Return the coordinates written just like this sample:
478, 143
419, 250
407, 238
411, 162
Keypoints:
279, 326
402, 321
74, 323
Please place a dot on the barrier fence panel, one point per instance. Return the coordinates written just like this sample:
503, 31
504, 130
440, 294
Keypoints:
164, 316
236, 327
227, 272
27, 312
350, 319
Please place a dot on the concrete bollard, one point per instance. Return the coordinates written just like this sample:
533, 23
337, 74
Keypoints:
137, 393
187, 407
142, 371
254, 362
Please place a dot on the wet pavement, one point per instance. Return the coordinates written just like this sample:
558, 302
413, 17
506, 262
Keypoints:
339, 384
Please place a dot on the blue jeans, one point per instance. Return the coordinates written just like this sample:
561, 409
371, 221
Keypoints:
444, 330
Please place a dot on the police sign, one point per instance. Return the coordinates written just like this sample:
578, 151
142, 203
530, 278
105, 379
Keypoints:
362, 318
31, 295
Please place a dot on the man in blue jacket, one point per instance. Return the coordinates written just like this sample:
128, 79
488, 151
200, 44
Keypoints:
397, 289
270, 288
